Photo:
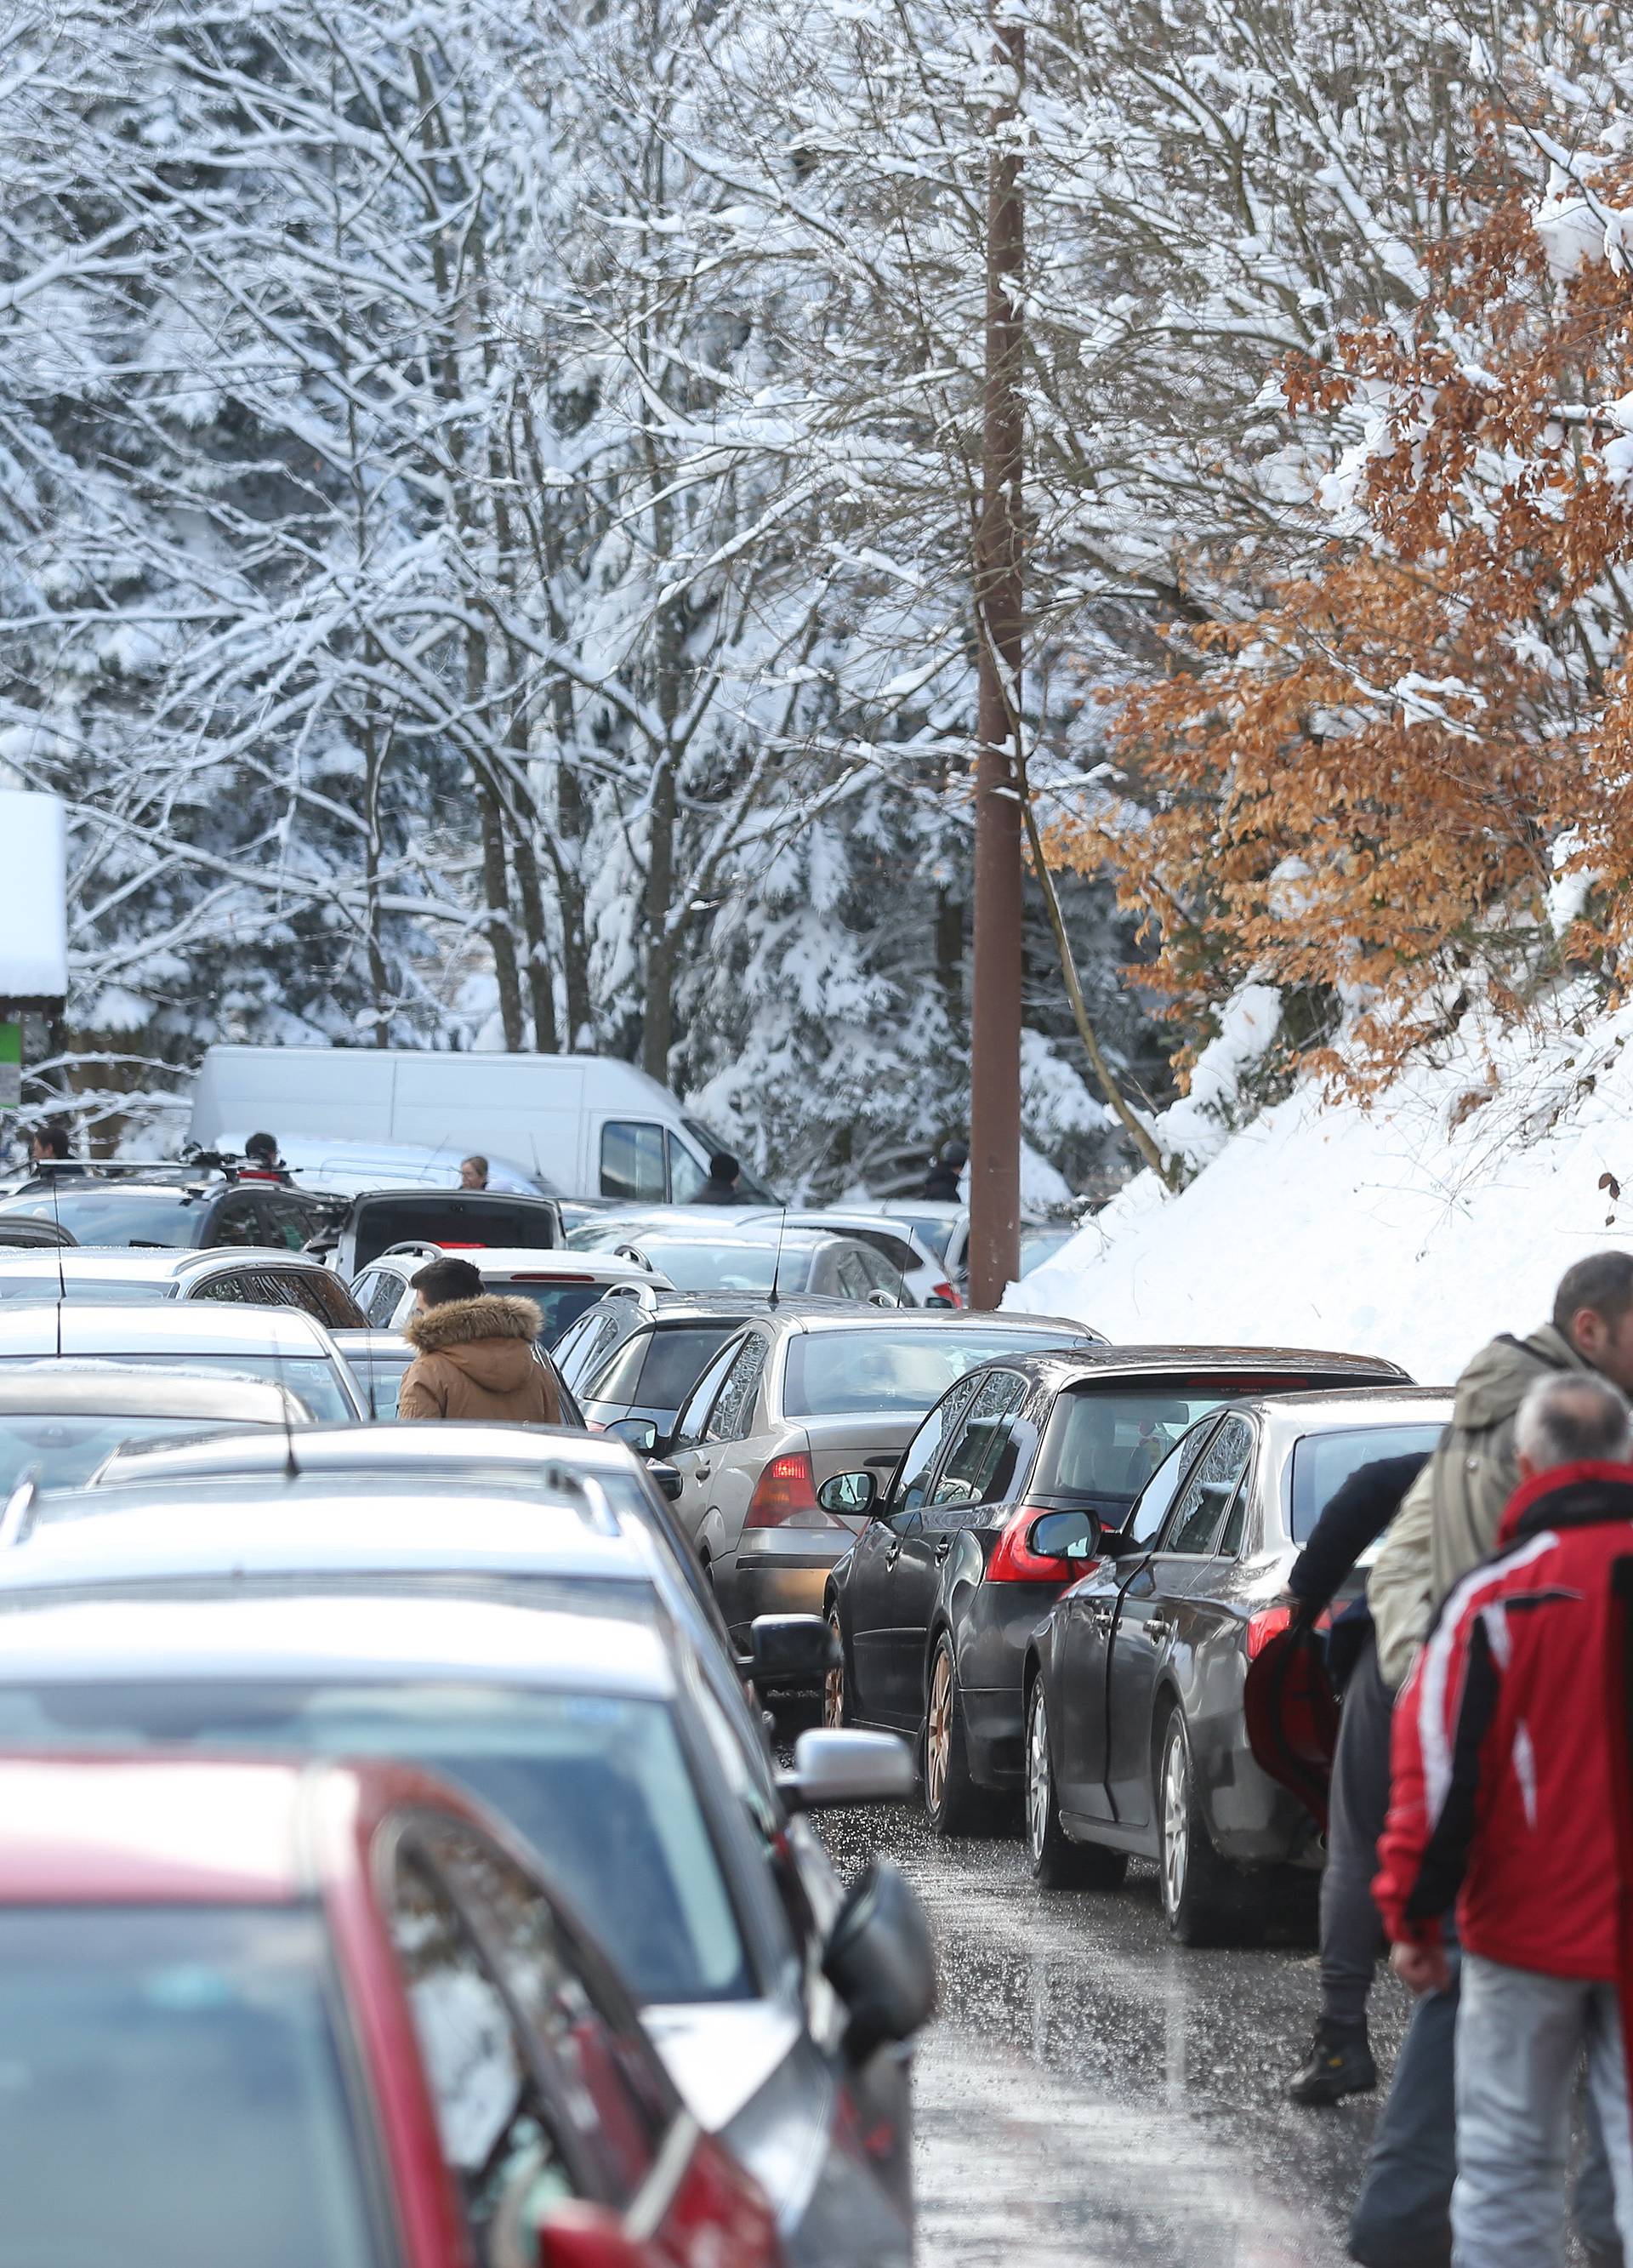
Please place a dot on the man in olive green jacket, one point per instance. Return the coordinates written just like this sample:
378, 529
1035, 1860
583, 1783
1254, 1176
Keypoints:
1448, 1521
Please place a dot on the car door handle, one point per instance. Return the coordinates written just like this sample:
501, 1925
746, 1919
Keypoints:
1158, 1628
700, 1469
893, 1551
1100, 1617
944, 1547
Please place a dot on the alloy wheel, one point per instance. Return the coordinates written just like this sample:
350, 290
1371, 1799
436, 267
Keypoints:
1176, 1806
834, 1681
1037, 1774
939, 1731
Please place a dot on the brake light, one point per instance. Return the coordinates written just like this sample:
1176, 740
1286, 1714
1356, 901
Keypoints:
785, 1496
470, 1244
1014, 1561
947, 1295
1271, 1621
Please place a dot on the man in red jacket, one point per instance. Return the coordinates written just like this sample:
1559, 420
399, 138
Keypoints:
1501, 1798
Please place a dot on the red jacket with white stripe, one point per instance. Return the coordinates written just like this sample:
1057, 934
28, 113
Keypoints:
1502, 1795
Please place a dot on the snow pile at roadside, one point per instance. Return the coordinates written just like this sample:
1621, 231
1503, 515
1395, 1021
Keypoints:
1416, 1229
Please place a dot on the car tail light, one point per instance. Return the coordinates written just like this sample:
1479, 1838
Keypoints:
947, 1295
1271, 1621
1014, 1561
785, 1496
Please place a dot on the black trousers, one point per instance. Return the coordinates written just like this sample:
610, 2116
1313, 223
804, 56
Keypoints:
1352, 1936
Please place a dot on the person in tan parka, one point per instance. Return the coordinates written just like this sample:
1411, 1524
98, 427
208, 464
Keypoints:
476, 1353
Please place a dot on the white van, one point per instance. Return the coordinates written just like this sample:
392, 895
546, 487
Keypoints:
584, 1125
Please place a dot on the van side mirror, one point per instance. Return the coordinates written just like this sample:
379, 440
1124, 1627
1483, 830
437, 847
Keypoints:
1076, 1535
848, 1492
879, 1959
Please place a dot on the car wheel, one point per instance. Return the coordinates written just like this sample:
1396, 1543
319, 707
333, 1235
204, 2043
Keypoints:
953, 1804
1057, 1863
1200, 1893
835, 1691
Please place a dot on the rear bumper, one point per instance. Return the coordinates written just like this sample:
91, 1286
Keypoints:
779, 1571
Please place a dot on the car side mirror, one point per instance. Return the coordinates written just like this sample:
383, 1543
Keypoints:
833, 1768
1076, 1535
848, 1492
577, 2234
638, 1433
791, 1650
879, 1959
668, 1479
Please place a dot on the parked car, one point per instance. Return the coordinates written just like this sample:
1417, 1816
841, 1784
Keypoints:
247, 1277
915, 1265
793, 1399
265, 2014
1136, 1738
20, 1233
429, 1590
59, 1421
586, 1345
187, 1207
584, 1126
723, 1252
355, 1232
934, 1608
282, 1345
943, 1225
561, 1284
643, 1360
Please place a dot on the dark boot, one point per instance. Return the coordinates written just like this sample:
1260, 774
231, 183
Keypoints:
1339, 2062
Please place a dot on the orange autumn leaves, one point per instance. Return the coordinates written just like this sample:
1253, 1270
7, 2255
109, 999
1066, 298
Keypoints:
1377, 784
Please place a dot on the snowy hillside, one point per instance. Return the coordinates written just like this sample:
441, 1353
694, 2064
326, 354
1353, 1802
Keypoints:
1416, 1229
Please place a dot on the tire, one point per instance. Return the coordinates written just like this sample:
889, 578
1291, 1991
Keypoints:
1057, 1862
953, 1804
836, 1686
1203, 1900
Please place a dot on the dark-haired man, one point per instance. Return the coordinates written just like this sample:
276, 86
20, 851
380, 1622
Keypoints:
476, 1353
721, 1188
1446, 1526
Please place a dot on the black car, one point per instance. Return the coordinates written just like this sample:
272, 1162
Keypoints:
1136, 1738
179, 1206
934, 1606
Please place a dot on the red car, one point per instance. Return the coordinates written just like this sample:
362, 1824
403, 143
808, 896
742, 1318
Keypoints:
322, 2017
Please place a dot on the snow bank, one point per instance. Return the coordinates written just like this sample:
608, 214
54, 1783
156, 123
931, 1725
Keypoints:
1416, 1229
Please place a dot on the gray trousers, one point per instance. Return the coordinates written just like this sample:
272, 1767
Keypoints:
1352, 1936
1519, 2037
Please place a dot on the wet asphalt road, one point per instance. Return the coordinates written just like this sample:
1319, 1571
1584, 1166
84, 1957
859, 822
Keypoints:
1092, 2094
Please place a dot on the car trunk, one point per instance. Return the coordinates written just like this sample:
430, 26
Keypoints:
857, 1442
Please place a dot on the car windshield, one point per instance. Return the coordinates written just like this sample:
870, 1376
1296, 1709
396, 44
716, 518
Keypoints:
599, 1784
559, 1302
705, 1266
165, 2066
657, 1369
313, 1378
890, 1371
1322, 1463
107, 1214
62, 1452
119, 1292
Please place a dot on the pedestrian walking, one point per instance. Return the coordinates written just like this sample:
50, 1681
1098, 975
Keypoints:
1504, 1799
721, 1188
1340, 2061
941, 1183
476, 1353
473, 1172
1446, 1526
49, 1154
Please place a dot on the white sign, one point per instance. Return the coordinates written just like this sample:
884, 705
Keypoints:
33, 897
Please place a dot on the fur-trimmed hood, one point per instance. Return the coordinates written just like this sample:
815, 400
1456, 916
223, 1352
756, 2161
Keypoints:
463, 1322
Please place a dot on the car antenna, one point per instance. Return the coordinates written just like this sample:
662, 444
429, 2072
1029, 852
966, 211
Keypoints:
62, 1273
291, 1470
777, 1265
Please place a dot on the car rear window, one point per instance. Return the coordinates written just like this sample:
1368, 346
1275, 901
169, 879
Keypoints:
114, 1216
63, 1452
456, 1222
708, 1267
1322, 1463
599, 1784
893, 1371
1106, 1442
933, 1229
559, 1300
163, 2067
657, 1370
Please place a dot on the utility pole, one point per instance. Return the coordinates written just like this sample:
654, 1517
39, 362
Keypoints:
994, 1037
